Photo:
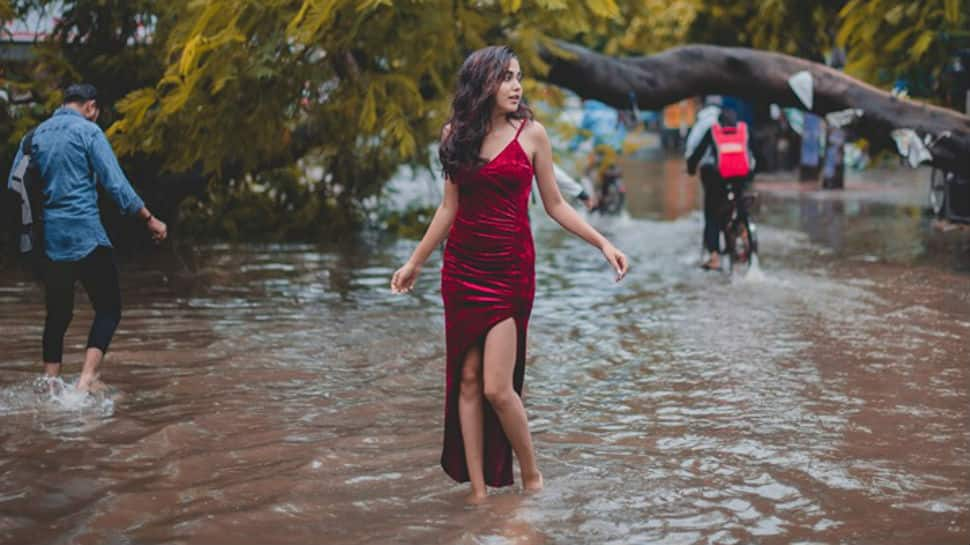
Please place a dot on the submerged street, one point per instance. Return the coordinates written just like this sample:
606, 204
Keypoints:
281, 394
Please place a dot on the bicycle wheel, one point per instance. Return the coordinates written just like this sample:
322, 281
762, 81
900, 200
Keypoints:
938, 192
739, 243
752, 237
615, 204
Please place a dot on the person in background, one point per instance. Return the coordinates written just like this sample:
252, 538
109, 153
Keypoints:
602, 125
723, 152
569, 187
707, 161
73, 157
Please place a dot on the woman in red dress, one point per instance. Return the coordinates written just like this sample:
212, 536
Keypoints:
490, 150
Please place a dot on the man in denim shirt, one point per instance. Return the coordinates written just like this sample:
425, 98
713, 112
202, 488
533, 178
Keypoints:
72, 155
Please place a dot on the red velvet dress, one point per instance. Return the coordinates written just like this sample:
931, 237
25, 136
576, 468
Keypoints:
488, 275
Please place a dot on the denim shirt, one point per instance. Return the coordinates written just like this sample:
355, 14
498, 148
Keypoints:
73, 155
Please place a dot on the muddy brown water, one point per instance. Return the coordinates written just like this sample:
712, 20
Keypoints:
280, 394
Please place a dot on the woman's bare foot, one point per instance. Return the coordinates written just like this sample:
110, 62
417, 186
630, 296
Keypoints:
713, 263
476, 496
532, 483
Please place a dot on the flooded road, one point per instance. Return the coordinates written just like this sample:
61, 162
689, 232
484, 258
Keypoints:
281, 394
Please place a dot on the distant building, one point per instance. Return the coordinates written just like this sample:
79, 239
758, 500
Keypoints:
17, 38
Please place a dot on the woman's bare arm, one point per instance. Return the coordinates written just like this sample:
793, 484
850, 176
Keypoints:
552, 200
557, 207
441, 223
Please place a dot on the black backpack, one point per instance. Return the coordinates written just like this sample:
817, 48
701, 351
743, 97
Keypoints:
23, 209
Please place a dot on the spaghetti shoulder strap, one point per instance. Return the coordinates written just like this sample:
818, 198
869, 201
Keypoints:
521, 126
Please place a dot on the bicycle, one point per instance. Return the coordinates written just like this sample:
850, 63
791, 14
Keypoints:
740, 233
610, 192
612, 195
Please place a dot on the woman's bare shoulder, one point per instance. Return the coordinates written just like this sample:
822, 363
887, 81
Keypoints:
534, 130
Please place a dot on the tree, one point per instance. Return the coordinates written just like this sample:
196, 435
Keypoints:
363, 85
104, 42
890, 39
226, 90
795, 27
227, 95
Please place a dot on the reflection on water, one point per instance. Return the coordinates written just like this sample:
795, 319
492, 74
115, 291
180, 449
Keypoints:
280, 394
671, 194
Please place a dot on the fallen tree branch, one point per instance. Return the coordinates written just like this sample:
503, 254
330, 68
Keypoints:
693, 70
757, 76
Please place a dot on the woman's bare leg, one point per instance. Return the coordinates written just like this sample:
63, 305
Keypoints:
499, 365
471, 416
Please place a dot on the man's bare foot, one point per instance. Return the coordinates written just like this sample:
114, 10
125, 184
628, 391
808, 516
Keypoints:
47, 384
532, 483
476, 497
97, 386
91, 384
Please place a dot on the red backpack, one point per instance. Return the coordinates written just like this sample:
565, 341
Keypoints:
732, 150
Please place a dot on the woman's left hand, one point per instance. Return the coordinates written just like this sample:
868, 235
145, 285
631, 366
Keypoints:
617, 260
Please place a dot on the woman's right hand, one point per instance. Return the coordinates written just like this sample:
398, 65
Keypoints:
403, 279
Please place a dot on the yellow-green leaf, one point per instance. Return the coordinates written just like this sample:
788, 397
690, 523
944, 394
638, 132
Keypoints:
511, 6
922, 43
895, 15
603, 8
951, 11
368, 113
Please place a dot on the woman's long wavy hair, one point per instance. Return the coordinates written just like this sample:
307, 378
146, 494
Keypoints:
471, 110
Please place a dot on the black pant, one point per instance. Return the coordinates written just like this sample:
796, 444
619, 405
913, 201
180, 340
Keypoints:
98, 273
715, 201
714, 195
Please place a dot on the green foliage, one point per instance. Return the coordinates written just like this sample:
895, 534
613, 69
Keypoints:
15, 118
244, 78
795, 27
104, 42
242, 74
410, 223
884, 39
887, 39
98, 41
279, 204
652, 26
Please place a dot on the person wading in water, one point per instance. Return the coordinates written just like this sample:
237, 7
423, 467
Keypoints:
72, 156
490, 150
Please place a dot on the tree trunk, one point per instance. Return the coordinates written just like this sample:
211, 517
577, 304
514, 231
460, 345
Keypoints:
757, 76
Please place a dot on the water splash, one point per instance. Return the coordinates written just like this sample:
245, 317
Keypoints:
754, 272
54, 395
68, 398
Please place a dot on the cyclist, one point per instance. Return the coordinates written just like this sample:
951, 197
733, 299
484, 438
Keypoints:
604, 126
603, 167
724, 156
